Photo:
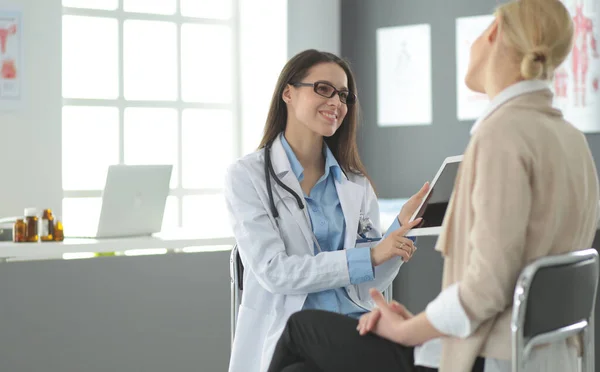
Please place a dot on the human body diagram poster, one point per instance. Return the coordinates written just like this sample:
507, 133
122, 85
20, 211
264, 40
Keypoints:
575, 85
11, 64
404, 75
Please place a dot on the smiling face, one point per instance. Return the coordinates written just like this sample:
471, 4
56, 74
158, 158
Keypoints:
318, 114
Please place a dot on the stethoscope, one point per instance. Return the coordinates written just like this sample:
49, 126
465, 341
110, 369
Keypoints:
269, 172
364, 223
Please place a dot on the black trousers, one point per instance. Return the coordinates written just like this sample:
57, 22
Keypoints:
320, 341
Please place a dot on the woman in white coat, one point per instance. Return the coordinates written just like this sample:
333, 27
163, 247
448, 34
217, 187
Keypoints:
299, 205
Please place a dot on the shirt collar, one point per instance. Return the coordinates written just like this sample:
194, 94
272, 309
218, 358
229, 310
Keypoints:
515, 90
331, 164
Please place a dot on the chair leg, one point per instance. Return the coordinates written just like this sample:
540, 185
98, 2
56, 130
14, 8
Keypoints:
233, 310
517, 350
517, 363
589, 349
388, 293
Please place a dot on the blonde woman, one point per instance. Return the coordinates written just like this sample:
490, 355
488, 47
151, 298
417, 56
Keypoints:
527, 188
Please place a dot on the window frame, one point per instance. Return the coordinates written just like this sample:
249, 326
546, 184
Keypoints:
121, 103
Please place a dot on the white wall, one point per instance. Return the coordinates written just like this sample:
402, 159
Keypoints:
263, 53
30, 138
314, 24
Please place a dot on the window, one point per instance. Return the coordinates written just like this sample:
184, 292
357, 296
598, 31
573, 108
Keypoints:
151, 82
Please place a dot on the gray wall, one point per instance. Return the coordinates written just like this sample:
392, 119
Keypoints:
123, 314
400, 159
314, 24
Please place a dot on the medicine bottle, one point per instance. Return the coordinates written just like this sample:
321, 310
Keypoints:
20, 231
31, 220
47, 226
59, 233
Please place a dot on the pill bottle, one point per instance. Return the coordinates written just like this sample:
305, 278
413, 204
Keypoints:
32, 220
20, 231
47, 226
59, 233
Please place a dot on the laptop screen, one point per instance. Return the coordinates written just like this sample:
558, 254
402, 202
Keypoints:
434, 207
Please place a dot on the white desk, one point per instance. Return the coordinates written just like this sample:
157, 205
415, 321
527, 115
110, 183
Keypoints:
175, 241
171, 241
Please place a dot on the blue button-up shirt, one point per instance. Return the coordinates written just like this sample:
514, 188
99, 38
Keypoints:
329, 227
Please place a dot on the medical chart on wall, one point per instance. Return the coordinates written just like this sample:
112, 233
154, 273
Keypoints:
469, 104
404, 75
575, 85
11, 64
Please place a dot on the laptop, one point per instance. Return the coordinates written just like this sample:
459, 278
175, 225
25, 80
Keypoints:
434, 205
133, 202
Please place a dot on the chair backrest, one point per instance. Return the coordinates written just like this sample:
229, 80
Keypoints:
236, 274
240, 269
554, 299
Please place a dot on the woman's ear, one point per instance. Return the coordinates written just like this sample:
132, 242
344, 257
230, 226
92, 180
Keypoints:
286, 96
492, 34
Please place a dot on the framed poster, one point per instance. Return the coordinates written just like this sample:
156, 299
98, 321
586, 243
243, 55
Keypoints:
11, 59
575, 85
404, 75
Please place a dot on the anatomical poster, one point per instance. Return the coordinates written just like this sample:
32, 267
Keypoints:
404, 75
469, 104
576, 90
11, 64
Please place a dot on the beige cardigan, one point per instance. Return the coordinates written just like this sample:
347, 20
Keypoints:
527, 187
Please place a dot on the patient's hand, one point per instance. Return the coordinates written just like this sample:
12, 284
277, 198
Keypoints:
409, 208
395, 323
398, 308
384, 319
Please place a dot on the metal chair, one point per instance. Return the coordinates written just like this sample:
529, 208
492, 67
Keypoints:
236, 274
555, 299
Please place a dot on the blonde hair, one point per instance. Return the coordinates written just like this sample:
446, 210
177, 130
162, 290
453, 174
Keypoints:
540, 32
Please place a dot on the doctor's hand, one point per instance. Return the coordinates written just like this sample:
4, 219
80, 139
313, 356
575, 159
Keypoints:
395, 245
409, 208
385, 319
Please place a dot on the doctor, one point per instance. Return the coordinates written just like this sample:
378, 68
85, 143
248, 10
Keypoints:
299, 205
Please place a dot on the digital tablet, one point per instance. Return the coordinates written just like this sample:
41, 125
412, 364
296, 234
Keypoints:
434, 205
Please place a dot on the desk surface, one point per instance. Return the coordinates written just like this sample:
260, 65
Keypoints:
174, 240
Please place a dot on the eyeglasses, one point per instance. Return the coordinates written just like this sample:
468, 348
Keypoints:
324, 89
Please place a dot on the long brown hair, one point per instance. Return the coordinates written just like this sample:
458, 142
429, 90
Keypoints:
343, 143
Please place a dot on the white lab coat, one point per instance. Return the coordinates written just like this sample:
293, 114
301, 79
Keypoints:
281, 267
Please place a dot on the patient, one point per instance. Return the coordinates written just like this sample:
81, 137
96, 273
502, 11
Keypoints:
527, 188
